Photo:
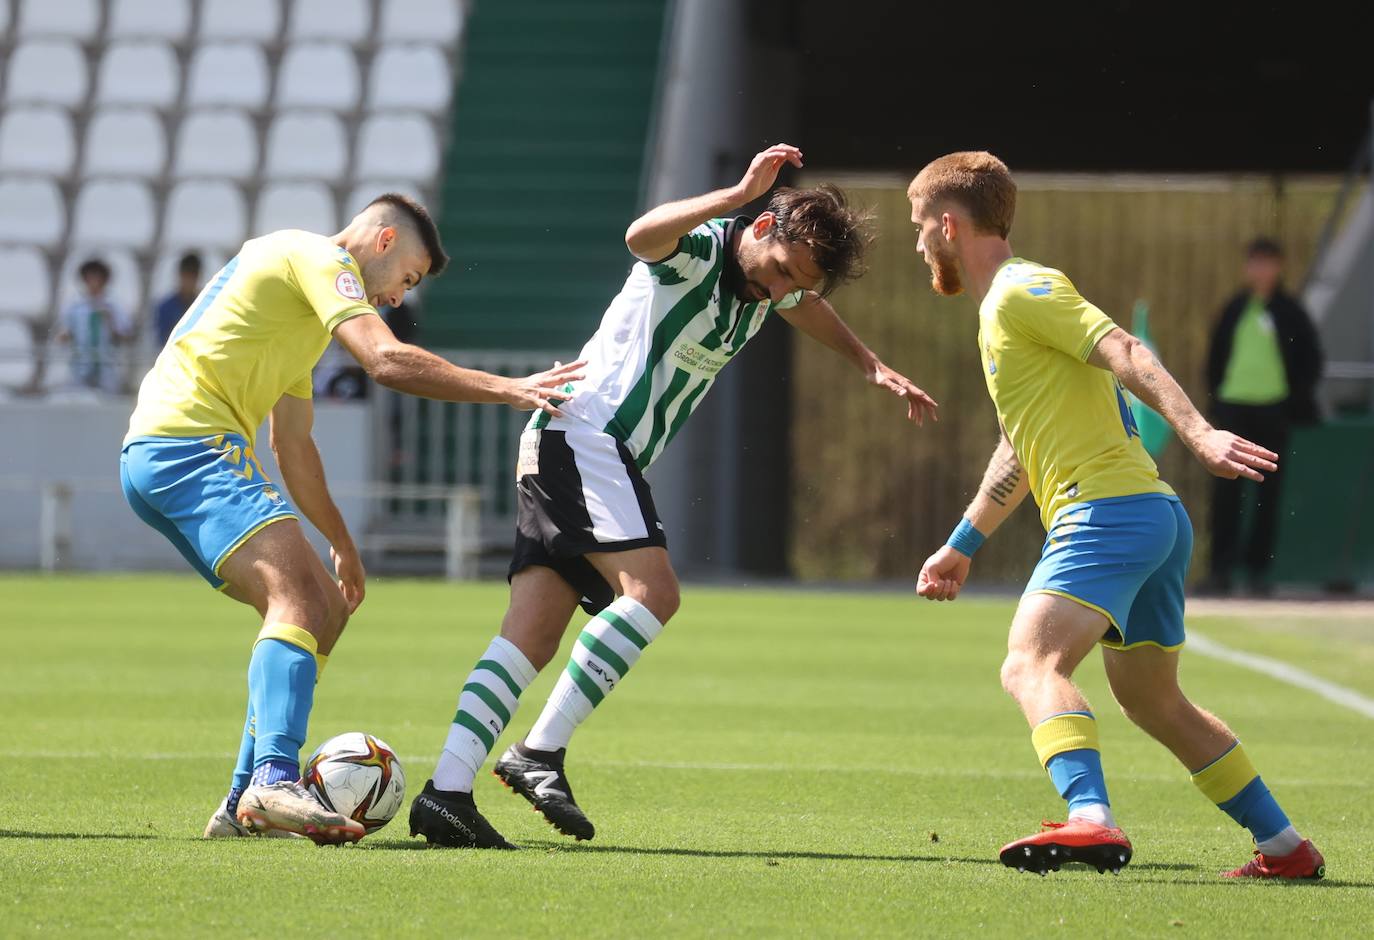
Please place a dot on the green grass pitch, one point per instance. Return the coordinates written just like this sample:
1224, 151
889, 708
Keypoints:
779, 763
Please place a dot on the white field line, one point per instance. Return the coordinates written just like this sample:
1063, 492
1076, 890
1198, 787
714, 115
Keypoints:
1277, 669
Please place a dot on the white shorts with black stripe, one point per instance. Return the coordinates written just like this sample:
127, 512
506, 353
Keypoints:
578, 491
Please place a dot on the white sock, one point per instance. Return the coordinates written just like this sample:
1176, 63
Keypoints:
1283, 843
607, 648
486, 705
1099, 813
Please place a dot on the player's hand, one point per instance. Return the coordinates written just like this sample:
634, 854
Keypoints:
534, 391
943, 574
1228, 456
763, 171
919, 405
352, 578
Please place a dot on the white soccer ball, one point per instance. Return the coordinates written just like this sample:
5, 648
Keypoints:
358, 776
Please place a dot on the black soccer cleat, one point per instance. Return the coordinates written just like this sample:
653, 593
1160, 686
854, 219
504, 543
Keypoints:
451, 818
538, 776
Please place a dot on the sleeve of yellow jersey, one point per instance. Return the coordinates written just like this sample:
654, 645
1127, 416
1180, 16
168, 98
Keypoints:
328, 280
1047, 309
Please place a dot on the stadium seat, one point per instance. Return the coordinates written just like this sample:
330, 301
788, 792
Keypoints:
240, 19
230, 73
79, 19
28, 282
400, 144
307, 144
427, 20
306, 205
345, 20
318, 75
17, 354
166, 19
4, 19
412, 76
126, 278
205, 212
114, 212
31, 211
36, 140
216, 143
368, 190
143, 73
49, 71
125, 142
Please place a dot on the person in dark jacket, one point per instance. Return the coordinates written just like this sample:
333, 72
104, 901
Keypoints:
1263, 365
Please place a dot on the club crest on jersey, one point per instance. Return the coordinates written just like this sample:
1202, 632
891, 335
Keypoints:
348, 285
272, 495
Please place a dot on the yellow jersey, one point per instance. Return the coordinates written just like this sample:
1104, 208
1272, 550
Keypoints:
254, 334
1069, 422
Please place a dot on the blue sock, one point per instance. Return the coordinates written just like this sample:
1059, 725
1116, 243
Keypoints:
281, 690
1077, 775
1232, 783
243, 769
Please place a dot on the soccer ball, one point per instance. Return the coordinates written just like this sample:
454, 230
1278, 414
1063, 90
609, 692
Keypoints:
358, 776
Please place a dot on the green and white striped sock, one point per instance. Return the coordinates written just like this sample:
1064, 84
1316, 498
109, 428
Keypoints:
485, 707
606, 649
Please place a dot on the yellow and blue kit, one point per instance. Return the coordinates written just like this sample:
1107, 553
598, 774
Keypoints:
254, 334
1118, 539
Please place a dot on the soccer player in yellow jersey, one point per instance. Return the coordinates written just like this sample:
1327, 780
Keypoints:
241, 354
1113, 565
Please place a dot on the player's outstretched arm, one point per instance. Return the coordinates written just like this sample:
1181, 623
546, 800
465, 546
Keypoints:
1223, 454
815, 317
1003, 488
413, 370
302, 471
653, 236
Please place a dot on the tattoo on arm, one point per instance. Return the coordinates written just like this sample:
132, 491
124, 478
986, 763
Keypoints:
1001, 480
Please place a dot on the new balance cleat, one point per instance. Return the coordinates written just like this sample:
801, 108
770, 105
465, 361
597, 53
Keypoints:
451, 819
538, 776
223, 825
1303, 862
287, 806
1074, 841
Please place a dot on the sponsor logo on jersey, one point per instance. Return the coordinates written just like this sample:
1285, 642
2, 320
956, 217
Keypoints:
690, 357
348, 285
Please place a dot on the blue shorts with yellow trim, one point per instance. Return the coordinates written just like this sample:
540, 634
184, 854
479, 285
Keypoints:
1126, 557
207, 495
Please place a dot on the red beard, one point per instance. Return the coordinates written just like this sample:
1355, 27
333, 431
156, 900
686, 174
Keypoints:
944, 273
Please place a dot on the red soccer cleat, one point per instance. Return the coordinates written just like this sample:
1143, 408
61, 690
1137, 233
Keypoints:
1303, 862
1074, 841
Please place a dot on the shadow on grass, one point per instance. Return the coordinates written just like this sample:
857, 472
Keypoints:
22, 834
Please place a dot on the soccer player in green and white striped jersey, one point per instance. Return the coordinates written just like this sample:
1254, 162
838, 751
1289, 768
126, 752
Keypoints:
587, 529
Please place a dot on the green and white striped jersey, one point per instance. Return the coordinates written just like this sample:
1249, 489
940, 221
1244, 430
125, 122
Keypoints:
662, 342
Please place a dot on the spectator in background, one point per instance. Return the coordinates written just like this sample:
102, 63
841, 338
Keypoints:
339, 376
1262, 370
95, 324
171, 308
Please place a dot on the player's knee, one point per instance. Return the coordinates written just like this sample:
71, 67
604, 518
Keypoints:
1015, 669
661, 596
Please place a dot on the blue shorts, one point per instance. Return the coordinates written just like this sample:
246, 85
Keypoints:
207, 495
1125, 557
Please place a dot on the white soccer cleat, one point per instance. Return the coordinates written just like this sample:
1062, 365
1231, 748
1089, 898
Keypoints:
287, 806
223, 825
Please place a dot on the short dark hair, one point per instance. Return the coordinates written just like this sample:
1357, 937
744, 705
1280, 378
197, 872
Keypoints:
977, 181
822, 219
1264, 247
189, 263
93, 266
418, 216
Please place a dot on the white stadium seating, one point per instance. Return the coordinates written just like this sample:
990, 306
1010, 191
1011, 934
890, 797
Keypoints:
229, 73
37, 140
425, 20
305, 205
216, 143
396, 144
17, 359
409, 77
125, 142
370, 189
49, 71
144, 19
142, 72
79, 19
346, 20
307, 144
205, 212
28, 282
114, 212
318, 75
31, 211
240, 19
